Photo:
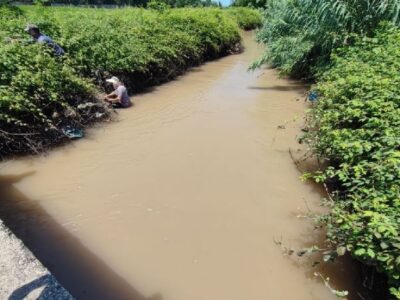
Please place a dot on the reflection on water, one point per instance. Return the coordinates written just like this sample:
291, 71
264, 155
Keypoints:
182, 197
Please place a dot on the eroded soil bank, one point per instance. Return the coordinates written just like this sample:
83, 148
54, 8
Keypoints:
180, 199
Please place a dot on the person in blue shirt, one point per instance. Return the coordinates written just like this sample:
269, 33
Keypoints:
39, 37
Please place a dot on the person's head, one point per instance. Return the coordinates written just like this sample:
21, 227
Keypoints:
33, 30
115, 81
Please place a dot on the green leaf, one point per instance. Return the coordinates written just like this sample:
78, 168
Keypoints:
371, 253
360, 252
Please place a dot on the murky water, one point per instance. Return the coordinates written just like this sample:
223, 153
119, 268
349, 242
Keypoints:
181, 198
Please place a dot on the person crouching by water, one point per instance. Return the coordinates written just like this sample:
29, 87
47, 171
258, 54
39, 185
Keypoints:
119, 98
39, 37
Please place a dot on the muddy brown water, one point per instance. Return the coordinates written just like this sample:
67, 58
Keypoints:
181, 198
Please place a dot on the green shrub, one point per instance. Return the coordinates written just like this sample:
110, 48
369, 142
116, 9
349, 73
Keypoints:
38, 95
247, 18
250, 3
358, 134
142, 47
7, 11
301, 34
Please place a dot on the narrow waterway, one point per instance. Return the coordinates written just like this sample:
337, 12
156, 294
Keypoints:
181, 198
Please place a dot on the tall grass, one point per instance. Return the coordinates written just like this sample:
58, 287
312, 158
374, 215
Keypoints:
301, 34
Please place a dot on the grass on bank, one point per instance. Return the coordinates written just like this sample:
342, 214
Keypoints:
40, 94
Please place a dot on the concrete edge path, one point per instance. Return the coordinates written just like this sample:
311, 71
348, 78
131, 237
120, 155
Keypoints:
22, 276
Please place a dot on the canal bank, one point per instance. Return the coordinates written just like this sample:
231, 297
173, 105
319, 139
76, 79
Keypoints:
22, 276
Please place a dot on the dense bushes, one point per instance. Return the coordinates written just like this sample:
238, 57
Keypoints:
39, 94
250, 3
355, 123
246, 18
136, 43
7, 11
358, 133
301, 34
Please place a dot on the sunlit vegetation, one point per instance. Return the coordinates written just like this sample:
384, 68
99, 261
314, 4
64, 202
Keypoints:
351, 48
41, 93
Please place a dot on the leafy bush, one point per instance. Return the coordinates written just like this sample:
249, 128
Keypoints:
247, 18
358, 134
191, 3
7, 11
141, 46
38, 95
250, 3
301, 34
355, 123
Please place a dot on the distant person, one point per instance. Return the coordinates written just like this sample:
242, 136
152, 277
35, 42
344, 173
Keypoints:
39, 37
119, 98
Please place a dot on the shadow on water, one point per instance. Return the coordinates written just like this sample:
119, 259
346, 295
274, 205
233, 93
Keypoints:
83, 274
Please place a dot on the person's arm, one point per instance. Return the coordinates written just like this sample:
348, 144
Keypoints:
117, 98
117, 95
110, 96
113, 97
